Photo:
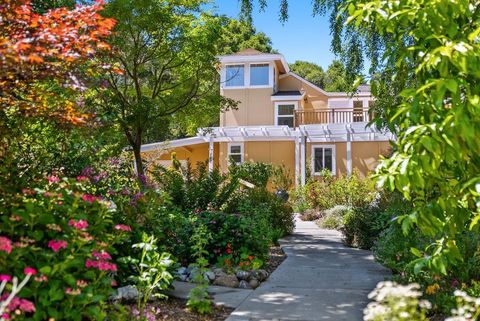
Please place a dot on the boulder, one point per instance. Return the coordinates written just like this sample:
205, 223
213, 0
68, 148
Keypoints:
209, 275
260, 275
128, 292
243, 275
182, 271
253, 283
228, 280
244, 285
219, 272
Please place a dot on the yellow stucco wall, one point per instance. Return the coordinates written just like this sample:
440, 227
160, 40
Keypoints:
255, 107
192, 153
314, 99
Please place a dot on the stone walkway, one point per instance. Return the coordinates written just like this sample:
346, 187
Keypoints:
321, 279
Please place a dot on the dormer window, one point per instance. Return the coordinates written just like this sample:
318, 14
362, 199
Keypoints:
235, 76
259, 74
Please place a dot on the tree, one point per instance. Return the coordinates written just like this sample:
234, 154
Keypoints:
310, 71
425, 61
333, 79
166, 51
238, 35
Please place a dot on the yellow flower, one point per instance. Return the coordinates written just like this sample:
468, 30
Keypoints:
431, 289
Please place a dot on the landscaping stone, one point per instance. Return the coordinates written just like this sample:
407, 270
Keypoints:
243, 275
128, 292
209, 275
253, 283
229, 280
260, 275
219, 272
182, 271
244, 285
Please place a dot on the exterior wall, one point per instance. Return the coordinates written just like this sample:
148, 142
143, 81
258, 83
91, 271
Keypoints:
255, 107
365, 156
193, 154
273, 152
314, 99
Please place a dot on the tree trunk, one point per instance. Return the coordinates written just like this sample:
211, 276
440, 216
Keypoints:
139, 165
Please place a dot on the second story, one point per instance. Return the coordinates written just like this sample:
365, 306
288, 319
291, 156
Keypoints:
269, 94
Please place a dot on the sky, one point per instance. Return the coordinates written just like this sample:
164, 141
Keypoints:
302, 37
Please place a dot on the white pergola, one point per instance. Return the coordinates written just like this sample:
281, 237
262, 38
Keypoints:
348, 133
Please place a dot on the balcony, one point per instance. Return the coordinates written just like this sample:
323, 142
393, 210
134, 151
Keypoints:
331, 116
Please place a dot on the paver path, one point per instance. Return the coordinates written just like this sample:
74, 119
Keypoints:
321, 279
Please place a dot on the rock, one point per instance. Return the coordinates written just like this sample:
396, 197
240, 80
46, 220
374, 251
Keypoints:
183, 277
209, 275
182, 271
260, 275
243, 275
229, 280
128, 292
244, 285
219, 272
253, 283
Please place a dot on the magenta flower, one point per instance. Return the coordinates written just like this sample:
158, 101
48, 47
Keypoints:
29, 271
56, 245
122, 227
5, 278
5, 244
81, 178
53, 179
101, 255
89, 198
79, 225
17, 303
5, 316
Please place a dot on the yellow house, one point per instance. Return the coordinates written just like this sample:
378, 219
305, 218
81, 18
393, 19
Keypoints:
282, 119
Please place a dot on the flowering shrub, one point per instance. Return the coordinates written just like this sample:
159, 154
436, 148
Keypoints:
69, 237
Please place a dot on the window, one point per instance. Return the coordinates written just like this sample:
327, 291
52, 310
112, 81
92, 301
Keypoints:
323, 157
285, 114
259, 74
235, 153
235, 76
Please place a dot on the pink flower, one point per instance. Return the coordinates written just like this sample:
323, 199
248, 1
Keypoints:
15, 218
114, 283
5, 277
42, 278
29, 271
5, 316
5, 244
107, 266
91, 263
57, 245
82, 283
53, 179
69, 291
79, 225
122, 227
82, 178
89, 198
26, 306
101, 255
17, 303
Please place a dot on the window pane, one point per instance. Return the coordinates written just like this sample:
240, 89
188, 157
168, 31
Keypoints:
358, 104
285, 121
235, 149
259, 75
235, 75
318, 160
286, 109
236, 158
328, 159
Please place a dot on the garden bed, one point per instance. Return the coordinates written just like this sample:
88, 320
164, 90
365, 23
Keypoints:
174, 309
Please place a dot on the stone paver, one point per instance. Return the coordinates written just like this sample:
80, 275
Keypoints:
321, 279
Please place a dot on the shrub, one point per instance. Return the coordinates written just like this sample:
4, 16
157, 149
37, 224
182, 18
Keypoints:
333, 218
68, 237
311, 215
256, 173
362, 225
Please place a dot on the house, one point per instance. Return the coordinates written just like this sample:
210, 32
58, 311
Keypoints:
282, 119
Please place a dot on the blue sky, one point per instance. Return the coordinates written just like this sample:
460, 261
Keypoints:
302, 37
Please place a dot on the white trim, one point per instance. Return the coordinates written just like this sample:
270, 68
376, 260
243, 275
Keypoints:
312, 158
283, 103
303, 163
297, 160
173, 144
242, 152
246, 75
211, 155
349, 154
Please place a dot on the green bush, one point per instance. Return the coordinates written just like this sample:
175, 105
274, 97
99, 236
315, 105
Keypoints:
333, 218
69, 237
256, 173
362, 225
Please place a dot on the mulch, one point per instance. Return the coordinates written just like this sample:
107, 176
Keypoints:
276, 257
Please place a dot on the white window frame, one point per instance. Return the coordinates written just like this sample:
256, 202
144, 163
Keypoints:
269, 75
281, 103
334, 158
229, 153
224, 80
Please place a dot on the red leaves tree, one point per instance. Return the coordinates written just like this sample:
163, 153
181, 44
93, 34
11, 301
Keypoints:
44, 57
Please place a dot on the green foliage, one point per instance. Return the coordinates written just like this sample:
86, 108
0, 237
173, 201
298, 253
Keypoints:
333, 79
257, 173
327, 191
198, 298
310, 71
281, 178
195, 189
239, 35
151, 273
333, 218
69, 236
